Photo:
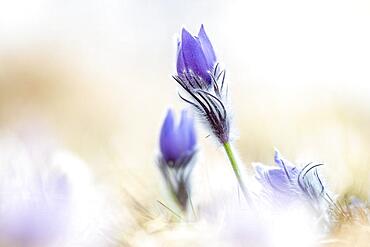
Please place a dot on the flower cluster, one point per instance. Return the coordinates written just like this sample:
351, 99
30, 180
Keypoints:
199, 74
284, 189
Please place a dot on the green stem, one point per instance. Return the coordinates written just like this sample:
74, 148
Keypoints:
234, 165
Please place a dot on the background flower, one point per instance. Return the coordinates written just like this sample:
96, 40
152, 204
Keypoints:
178, 147
48, 198
35, 201
290, 184
177, 139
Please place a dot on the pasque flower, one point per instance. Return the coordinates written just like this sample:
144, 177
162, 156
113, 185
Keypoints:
178, 147
198, 73
196, 55
287, 183
177, 141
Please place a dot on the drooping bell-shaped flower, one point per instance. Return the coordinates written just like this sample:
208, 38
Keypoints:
177, 141
195, 55
178, 147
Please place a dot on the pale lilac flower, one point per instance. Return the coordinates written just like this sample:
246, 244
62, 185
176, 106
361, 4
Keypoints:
48, 197
287, 183
244, 228
34, 208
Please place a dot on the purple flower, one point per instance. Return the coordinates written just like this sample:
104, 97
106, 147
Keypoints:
177, 141
178, 146
195, 55
34, 213
288, 183
199, 74
280, 180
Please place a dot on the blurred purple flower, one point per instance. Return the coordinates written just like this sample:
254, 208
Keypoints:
33, 214
242, 228
178, 147
177, 141
288, 183
195, 55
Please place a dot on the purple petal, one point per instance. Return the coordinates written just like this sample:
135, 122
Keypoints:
167, 130
193, 56
260, 170
168, 140
168, 124
177, 140
278, 179
278, 158
172, 142
284, 164
207, 48
187, 127
181, 69
274, 177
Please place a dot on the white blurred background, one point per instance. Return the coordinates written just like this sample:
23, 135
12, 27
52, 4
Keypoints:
280, 44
